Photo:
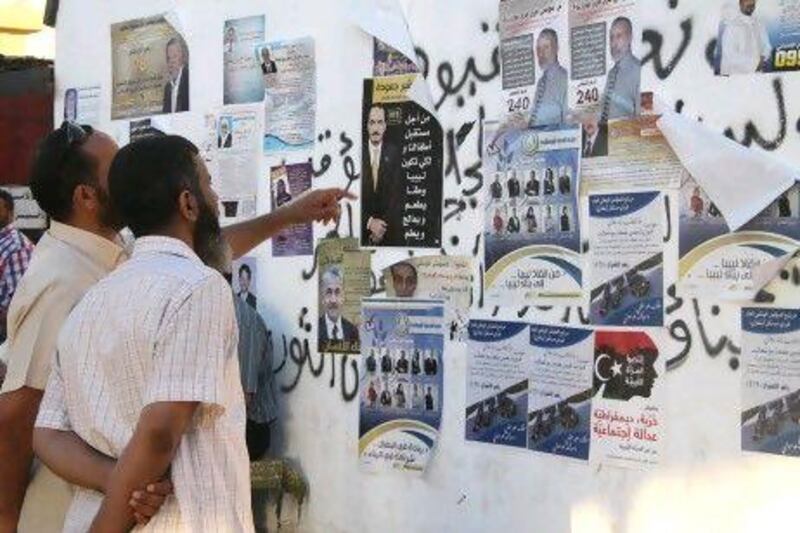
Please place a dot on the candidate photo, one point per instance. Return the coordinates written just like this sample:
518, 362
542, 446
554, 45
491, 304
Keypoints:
176, 90
332, 326
743, 44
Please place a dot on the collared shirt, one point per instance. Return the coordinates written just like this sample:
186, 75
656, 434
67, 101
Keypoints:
624, 97
175, 342
375, 162
744, 43
330, 324
176, 83
66, 262
589, 145
15, 254
550, 101
255, 363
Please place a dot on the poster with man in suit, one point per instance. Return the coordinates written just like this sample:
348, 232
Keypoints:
401, 162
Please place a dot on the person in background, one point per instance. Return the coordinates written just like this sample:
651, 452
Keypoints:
15, 254
69, 181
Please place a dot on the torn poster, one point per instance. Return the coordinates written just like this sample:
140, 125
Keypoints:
290, 98
435, 277
627, 411
150, 68
344, 278
242, 81
286, 183
560, 390
626, 258
531, 229
386, 61
714, 260
401, 383
771, 381
761, 36
497, 382
401, 162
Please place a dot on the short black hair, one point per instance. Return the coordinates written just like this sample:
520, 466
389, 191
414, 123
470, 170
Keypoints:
180, 42
7, 199
551, 34
148, 176
245, 268
626, 21
58, 167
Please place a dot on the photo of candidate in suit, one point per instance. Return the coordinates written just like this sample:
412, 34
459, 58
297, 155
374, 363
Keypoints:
595, 139
622, 94
382, 189
532, 186
550, 100
245, 277
267, 64
496, 188
332, 325
513, 185
176, 90
282, 195
225, 136
565, 181
549, 181
71, 104
404, 279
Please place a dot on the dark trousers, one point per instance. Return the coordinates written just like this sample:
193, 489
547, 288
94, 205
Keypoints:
258, 438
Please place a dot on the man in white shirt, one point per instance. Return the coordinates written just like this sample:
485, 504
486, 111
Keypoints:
154, 381
744, 43
176, 90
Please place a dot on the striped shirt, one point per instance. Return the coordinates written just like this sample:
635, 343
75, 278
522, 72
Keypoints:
160, 328
15, 254
255, 362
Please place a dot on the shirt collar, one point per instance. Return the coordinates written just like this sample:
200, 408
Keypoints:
160, 244
108, 253
330, 323
177, 79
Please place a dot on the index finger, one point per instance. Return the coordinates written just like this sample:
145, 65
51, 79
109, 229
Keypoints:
341, 193
163, 487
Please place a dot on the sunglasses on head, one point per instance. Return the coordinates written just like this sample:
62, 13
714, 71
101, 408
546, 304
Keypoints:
74, 133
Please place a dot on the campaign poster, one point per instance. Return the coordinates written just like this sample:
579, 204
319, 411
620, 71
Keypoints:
534, 55
242, 81
244, 273
497, 383
605, 82
627, 428
82, 105
770, 420
344, 279
401, 383
286, 183
386, 61
714, 260
149, 68
531, 230
757, 37
289, 72
626, 258
560, 390
401, 163
437, 277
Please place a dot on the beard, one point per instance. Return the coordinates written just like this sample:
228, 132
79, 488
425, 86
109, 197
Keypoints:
109, 216
208, 242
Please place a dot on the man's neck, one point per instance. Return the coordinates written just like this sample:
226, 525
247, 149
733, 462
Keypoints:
95, 228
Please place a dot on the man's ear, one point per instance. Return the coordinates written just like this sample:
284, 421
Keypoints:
84, 198
188, 206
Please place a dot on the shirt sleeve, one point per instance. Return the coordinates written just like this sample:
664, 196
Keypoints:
192, 348
11, 271
53, 409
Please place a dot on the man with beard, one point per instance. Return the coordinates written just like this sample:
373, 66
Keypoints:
162, 368
622, 95
744, 43
381, 186
69, 180
550, 101
333, 327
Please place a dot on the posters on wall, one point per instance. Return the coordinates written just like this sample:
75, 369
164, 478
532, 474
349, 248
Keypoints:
627, 428
535, 61
289, 71
530, 386
401, 383
231, 151
401, 162
605, 81
531, 230
82, 105
287, 182
241, 76
435, 277
244, 272
146, 127
716, 261
770, 420
626, 258
27, 213
628, 154
344, 278
150, 68
386, 61
757, 37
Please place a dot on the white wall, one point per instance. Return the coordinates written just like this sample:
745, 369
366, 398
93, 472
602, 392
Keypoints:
705, 483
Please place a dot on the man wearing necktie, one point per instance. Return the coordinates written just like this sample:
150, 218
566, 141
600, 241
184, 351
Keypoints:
550, 102
382, 197
622, 95
333, 327
595, 139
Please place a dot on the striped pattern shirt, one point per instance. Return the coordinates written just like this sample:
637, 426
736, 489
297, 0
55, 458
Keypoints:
160, 328
15, 254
